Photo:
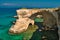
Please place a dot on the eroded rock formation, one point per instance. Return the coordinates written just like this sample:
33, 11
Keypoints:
26, 16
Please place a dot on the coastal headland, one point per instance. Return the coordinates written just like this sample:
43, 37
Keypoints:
25, 18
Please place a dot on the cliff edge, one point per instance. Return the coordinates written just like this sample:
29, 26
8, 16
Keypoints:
24, 19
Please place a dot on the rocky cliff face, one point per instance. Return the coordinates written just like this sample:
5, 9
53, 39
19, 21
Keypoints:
26, 16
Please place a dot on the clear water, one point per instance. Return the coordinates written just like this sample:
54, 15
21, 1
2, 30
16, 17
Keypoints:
6, 19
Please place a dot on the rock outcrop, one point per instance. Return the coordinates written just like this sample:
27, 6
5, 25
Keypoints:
25, 18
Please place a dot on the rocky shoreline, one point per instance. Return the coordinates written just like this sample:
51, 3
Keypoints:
24, 18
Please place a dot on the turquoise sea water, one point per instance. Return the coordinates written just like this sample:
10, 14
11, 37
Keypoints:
6, 19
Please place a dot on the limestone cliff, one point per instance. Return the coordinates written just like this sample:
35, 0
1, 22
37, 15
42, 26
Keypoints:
26, 16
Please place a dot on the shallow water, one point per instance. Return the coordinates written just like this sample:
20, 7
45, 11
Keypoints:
6, 19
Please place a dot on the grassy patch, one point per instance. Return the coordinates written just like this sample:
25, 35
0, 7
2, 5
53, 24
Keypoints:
28, 34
